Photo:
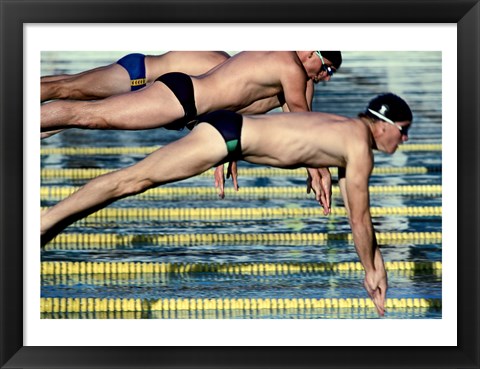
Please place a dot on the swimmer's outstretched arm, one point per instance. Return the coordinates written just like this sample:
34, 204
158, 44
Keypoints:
354, 189
185, 158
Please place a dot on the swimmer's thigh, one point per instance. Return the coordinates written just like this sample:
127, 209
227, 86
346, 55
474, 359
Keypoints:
101, 82
191, 155
148, 108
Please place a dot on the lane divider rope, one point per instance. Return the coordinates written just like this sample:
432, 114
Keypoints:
125, 214
148, 149
113, 268
88, 173
55, 305
126, 280
47, 192
114, 239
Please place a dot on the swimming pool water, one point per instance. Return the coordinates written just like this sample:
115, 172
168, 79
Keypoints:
362, 76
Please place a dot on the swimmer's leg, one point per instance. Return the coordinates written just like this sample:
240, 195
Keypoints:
96, 83
55, 77
185, 158
150, 107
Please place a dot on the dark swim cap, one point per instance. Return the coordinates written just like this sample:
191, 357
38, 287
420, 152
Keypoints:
391, 107
335, 57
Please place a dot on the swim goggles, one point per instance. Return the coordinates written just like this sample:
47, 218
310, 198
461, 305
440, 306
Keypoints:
325, 67
403, 130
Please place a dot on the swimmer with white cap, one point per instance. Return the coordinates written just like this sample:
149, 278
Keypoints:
283, 140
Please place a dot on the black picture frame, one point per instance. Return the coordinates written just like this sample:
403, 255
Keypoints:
15, 13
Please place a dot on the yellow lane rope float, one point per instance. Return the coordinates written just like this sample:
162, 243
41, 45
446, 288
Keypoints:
86, 240
56, 305
131, 268
149, 149
88, 173
125, 214
59, 192
125, 279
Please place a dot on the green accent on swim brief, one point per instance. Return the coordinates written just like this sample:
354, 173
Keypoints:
231, 145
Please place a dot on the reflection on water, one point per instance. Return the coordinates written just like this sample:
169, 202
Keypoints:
416, 76
332, 313
213, 285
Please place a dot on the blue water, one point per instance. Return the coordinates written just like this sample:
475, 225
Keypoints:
362, 76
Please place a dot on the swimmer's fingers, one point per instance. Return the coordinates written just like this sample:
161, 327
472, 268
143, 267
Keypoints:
309, 182
380, 296
326, 183
312, 179
219, 181
378, 299
373, 293
233, 172
376, 287
324, 202
314, 182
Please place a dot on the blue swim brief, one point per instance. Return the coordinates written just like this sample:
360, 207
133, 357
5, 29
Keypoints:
135, 66
229, 125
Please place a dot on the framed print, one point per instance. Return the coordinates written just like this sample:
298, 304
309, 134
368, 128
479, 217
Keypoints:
246, 342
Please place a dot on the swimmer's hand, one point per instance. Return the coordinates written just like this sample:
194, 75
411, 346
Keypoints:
376, 284
326, 186
232, 171
320, 181
220, 178
220, 181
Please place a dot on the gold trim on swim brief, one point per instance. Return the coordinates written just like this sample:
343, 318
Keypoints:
138, 82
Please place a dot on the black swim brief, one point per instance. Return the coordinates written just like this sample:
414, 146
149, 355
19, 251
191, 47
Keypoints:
182, 87
229, 124
135, 66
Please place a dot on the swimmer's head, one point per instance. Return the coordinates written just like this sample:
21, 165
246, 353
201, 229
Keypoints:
389, 108
335, 57
330, 62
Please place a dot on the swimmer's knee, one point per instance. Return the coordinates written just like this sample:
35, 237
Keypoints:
61, 89
92, 122
119, 184
71, 89
129, 184
137, 187
86, 116
52, 90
